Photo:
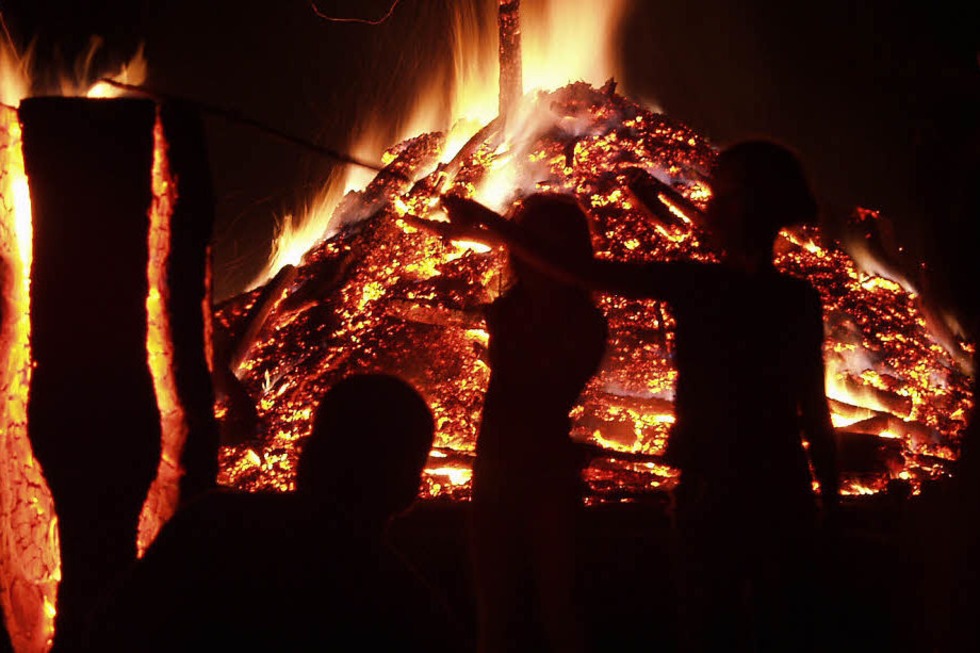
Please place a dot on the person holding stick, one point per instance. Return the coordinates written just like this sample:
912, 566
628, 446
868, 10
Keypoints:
751, 412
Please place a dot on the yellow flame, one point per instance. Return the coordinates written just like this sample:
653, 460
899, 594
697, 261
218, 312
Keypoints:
86, 81
570, 40
454, 475
564, 41
14, 81
162, 498
132, 73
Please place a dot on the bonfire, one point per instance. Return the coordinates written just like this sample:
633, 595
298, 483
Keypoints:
382, 295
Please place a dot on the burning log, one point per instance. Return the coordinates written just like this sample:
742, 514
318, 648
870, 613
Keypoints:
646, 190
93, 418
239, 418
661, 199
188, 304
398, 303
265, 305
867, 453
887, 399
120, 380
849, 411
30, 566
394, 180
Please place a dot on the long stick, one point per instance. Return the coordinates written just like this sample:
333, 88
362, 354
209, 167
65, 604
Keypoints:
233, 115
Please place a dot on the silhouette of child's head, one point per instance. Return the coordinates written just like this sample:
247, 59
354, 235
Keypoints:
758, 187
555, 225
371, 438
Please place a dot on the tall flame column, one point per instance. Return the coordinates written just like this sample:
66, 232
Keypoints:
105, 384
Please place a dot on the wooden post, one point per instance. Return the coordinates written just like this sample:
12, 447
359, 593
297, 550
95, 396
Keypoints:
92, 412
190, 301
511, 74
120, 318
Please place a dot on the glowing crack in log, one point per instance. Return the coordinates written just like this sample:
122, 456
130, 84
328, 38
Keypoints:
30, 565
164, 494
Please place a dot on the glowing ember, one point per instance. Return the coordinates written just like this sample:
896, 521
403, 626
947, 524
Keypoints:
30, 566
383, 295
161, 501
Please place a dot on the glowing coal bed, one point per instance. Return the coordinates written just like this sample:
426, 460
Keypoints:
381, 295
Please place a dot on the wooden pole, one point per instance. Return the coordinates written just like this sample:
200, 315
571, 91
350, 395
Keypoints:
92, 412
511, 75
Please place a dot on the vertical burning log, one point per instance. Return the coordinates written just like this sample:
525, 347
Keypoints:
179, 309
511, 73
120, 393
189, 279
92, 414
29, 557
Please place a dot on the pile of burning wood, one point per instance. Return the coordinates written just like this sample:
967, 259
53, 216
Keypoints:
381, 295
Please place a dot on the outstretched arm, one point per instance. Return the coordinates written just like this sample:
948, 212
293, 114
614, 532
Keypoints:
629, 279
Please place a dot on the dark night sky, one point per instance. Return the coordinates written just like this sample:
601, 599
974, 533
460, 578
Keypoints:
881, 101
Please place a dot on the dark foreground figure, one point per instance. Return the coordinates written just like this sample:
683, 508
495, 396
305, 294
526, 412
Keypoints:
750, 384
547, 339
297, 572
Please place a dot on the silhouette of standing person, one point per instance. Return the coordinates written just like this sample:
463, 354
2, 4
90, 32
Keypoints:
748, 352
547, 339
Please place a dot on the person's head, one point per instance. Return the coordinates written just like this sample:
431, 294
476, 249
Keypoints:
555, 225
758, 187
371, 438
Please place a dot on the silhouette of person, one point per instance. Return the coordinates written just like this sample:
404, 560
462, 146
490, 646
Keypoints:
300, 571
547, 339
748, 352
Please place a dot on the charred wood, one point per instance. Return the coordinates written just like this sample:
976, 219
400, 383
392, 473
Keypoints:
866, 453
94, 420
648, 192
488, 134
413, 157
891, 401
265, 306
189, 301
322, 278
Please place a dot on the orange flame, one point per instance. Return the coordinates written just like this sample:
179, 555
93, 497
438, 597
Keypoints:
161, 501
30, 559
565, 41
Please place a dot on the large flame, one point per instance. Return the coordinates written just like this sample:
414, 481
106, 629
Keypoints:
408, 302
565, 41
887, 375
